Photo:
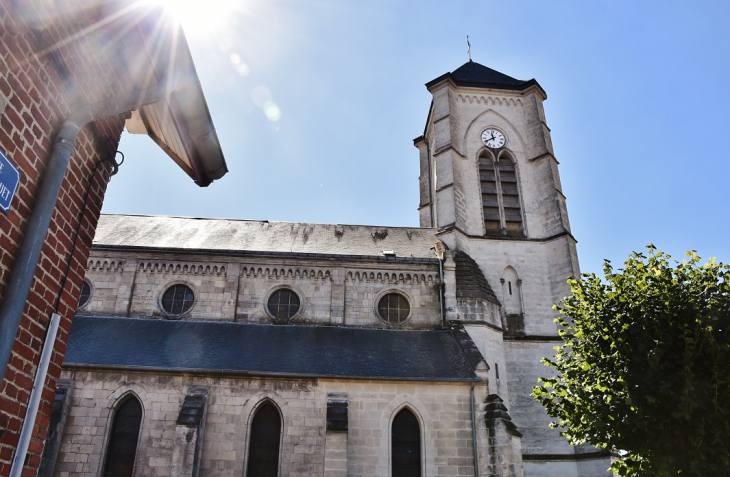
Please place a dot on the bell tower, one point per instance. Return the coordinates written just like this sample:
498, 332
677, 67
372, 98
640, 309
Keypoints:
487, 162
489, 185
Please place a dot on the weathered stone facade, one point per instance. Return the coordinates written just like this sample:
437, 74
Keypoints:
484, 308
335, 293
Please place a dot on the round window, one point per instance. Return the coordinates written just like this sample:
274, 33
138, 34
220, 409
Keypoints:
85, 294
283, 304
177, 299
394, 308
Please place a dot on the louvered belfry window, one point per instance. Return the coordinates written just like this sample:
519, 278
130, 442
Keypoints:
500, 196
490, 202
123, 439
406, 442
263, 450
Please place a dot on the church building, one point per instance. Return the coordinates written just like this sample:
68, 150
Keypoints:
210, 347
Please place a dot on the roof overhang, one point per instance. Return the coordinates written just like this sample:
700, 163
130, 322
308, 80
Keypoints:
153, 48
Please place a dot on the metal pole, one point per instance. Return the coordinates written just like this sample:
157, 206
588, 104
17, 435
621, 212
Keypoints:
35, 398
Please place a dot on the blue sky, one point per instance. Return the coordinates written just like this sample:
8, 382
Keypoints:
637, 104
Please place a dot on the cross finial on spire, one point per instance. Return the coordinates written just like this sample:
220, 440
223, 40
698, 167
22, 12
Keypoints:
468, 47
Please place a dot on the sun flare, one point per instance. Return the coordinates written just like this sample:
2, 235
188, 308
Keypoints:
198, 18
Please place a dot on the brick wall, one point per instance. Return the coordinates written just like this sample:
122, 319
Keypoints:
38, 93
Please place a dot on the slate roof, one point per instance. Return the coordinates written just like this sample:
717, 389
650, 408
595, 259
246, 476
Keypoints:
476, 75
225, 235
265, 350
470, 281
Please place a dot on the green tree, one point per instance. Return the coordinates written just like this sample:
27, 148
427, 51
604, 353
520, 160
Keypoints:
644, 370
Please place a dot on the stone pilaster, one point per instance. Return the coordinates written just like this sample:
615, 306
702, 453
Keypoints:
505, 449
337, 302
59, 413
335, 451
188, 440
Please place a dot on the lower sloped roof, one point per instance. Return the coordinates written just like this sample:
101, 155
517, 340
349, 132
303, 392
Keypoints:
265, 350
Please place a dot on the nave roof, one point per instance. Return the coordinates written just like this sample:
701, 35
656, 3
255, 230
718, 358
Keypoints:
266, 350
226, 235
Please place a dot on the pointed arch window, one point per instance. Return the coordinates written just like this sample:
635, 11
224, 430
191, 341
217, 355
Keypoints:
120, 453
406, 445
263, 449
500, 195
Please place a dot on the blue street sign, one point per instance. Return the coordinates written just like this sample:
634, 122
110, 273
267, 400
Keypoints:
9, 180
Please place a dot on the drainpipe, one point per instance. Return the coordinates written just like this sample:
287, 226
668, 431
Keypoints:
439, 248
441, 293
35, 234
474, 432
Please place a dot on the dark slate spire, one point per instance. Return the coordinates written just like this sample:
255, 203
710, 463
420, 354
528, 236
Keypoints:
475, 75
470, 281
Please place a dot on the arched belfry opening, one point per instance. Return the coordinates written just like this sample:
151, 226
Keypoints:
490, 196
263, 448
406, 445
500, 194
122, 448
510, 195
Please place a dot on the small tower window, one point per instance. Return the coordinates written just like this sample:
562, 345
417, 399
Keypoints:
263, 449
283, 304
85, 294
178, 299
120, 453
394, 308
406, 445
500, 195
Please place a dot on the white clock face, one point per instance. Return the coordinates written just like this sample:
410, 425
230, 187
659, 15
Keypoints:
493, 139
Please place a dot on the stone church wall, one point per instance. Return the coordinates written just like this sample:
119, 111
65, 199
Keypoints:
443, 411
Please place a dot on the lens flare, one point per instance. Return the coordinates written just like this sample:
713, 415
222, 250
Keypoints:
272, 111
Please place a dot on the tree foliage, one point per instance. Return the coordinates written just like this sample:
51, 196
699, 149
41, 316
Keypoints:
644, 370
